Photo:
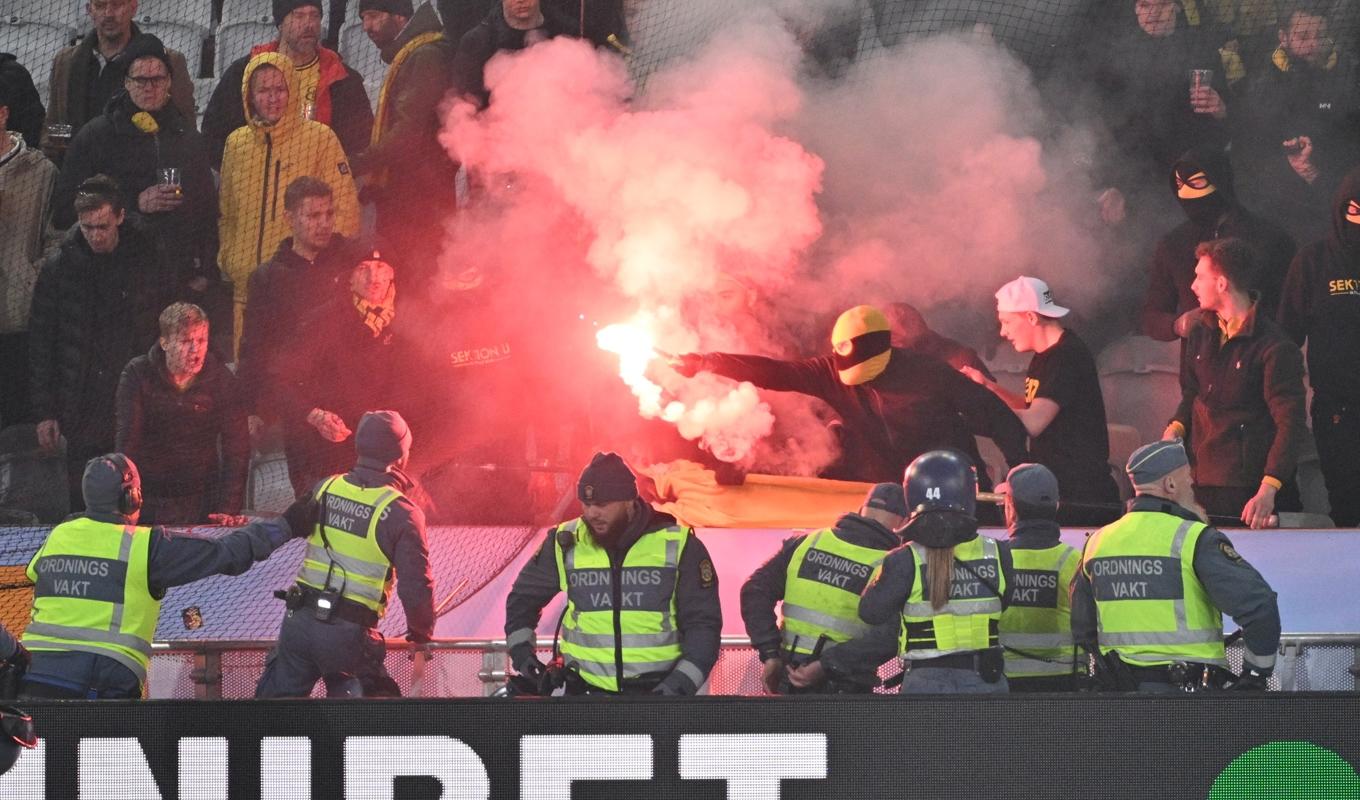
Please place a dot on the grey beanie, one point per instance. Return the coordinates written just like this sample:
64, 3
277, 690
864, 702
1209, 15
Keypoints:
382, 439
104, 481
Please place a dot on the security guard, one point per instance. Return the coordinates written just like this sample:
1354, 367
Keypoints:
946, 584
824, 647
1036, 627
1150, 595
367, 533
642, 612
99, 580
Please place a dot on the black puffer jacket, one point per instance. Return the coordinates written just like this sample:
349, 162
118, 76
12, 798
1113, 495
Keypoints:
111, 144
172, 436
92, 314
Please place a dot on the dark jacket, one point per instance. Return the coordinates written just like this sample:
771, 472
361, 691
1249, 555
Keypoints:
111, 144
401, 537
1172, 268
1242, 402
1321, 302
26, 112
1142, 87
173, 436
79, 90
1233, 585
917, 404
172, 560
491, 36
857, 658
91, 315
341, 103
885, 598
697, 609
284, 293
408, 127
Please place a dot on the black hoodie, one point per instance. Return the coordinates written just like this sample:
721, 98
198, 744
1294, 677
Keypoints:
1173, 261
1321, 301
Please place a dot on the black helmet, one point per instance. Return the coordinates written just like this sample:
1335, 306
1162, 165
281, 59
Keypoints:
941, 480
16, 733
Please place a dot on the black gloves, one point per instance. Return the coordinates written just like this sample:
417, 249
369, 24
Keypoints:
1252, 679
301, 517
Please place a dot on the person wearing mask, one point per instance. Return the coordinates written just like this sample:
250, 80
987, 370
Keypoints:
86, 75
26, 182
1152, 589
946, 586
262, 157
94, 309
140, 134
410, 202
1202, 181
1321, 308
817, 578
1062, 408
1036, 627
367, 534
642, 613
180, 417
1242, 393
894, 404
99, 579
325, 89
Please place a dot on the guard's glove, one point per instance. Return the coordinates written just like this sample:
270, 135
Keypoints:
664, 689
1252, 679
1186, 322
688, 364
19, 659
531, 668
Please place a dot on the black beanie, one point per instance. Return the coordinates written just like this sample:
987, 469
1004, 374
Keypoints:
382, 439
283, 8
606, 479
145, 45
401, 8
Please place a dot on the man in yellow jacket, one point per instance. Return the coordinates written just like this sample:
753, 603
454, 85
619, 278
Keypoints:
275, 146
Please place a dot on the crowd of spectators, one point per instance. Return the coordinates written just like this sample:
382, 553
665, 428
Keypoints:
130, 236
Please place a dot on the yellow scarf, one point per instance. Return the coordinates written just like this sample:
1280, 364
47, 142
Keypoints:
378, 315
1282, 61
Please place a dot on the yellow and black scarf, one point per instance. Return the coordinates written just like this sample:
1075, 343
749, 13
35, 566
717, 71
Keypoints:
378, 316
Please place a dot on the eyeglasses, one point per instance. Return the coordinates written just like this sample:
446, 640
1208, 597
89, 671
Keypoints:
148, 81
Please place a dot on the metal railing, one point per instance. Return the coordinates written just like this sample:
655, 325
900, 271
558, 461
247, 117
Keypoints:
226, 669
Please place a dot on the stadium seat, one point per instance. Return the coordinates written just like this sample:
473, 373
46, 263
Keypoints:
197, 13
1140, 382
34, 43
359, 52
50, 12
186, 38
234, 39
1124, 439
203, 89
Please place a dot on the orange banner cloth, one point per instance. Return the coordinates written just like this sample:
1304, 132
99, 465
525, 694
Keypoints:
691, 494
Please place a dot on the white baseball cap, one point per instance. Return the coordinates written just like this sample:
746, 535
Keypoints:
1028, 294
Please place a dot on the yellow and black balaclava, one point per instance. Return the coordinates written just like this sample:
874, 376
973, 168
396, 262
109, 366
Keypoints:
861, 345
1201, 188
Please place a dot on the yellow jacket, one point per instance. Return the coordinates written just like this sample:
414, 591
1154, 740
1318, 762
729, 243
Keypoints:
258, 164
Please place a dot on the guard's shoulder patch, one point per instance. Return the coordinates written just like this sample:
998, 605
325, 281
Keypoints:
706, 574
343, 166
1225, 547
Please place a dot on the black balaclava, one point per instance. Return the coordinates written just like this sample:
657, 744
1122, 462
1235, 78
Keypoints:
1202, 183
1345, 225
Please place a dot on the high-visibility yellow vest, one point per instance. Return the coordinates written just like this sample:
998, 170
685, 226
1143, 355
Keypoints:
646, 619
970, 620
821, 590
91, 595
1038, 619
354, 564
1150, 605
